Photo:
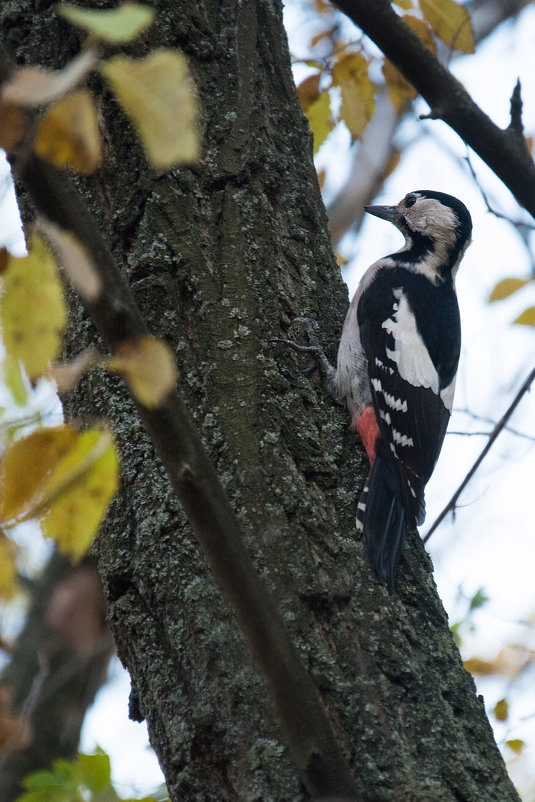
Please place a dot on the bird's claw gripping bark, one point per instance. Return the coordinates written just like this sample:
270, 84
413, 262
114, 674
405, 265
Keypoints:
315, 348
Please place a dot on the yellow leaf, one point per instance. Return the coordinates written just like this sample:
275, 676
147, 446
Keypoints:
451, 23
68, 134
421, 29
8, 569
67, 376
25, 465
15, 730
326, 33
34, 86
111, 25
33, 309
400, 91
516, 745
15, 380
309, 90
13, 125
79, 491
4, 258
350, 73
501, 710
157, 94
507, 287
527, 318
148, 366
481, 668
74, 259
322, 7
404, 4
510, 662
319, 119
392, 162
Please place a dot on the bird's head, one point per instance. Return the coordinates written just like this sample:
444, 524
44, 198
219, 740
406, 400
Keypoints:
437, 230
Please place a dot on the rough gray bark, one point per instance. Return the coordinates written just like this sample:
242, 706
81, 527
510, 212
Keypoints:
220, 259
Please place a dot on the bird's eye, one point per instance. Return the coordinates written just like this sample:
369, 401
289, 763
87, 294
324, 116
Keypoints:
410, 200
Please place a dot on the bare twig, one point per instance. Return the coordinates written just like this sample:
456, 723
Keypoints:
490, 208
516, 123
23, 718
484, 419
469, 434
500, 426
488, 434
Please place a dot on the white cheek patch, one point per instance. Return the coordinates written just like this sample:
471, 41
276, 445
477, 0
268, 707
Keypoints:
410, 354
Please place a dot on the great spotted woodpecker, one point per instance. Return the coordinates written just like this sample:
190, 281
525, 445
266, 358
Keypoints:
397, 363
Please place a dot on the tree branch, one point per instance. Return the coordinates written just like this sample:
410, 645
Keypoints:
500, 426
313, 746
502, 150
370, 157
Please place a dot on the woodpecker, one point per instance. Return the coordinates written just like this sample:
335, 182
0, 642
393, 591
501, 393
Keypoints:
397, 364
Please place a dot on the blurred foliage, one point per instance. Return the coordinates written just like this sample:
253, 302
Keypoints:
85, 779
61, 477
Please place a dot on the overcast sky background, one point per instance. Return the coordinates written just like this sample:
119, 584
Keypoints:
490, 543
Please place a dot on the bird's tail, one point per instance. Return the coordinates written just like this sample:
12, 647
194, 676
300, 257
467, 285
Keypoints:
381, 517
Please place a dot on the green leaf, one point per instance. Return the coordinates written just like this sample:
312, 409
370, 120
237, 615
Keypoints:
527, 318
478, 599
455, 631
64, 772
507, 287
93, 771
39, 780
41, 796
114, 25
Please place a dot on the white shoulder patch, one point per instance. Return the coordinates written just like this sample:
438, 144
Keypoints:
410, 354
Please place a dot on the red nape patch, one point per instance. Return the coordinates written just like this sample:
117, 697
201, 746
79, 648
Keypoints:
368, 429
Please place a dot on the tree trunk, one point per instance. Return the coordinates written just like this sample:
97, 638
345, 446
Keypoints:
221, 258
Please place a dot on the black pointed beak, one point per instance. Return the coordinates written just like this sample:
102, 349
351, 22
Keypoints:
389, 213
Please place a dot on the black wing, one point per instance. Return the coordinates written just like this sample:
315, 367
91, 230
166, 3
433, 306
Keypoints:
410, 381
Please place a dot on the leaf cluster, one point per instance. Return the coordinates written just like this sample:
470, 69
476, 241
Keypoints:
155, 92
59, 476
85, 779
349, 66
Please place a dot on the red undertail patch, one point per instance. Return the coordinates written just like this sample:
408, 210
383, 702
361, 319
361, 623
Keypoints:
368, 430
